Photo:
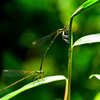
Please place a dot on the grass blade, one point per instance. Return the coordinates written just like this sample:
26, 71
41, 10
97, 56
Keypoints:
34, 84
88, 39
85, 6
95, 75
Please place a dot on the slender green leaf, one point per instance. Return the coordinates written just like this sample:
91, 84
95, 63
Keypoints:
85, 6
34, 84
88, 39
95, 75
97, 97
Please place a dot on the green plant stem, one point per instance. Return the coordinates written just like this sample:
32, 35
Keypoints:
70, 58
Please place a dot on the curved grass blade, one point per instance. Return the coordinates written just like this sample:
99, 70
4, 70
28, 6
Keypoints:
85, 6
88, 39
95, 75
34, 84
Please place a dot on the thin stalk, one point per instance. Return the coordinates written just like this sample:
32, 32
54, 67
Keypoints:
66, 91
70, 58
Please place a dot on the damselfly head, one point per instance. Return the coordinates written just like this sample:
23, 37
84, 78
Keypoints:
65, 27
41, 71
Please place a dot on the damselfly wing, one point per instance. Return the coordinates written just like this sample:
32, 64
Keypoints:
15, 73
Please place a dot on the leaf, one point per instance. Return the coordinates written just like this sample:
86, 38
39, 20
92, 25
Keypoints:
97, 97
95, 75
88, 39
34, 84
85, 6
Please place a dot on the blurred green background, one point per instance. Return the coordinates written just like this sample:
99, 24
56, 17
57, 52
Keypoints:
23, 21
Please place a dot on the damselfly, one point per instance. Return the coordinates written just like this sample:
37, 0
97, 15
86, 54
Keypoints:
13, 73
65, 36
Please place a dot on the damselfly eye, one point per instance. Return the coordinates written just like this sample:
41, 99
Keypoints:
65, 27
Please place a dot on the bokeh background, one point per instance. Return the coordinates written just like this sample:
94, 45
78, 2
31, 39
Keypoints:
23, 21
